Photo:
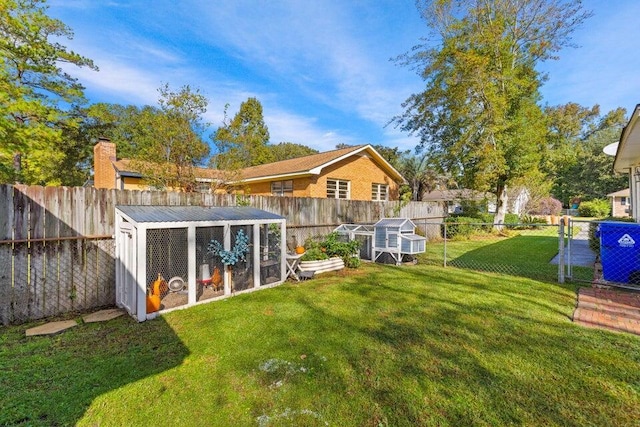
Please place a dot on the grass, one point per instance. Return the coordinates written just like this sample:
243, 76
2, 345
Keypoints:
526, 253
383, 345
521, 252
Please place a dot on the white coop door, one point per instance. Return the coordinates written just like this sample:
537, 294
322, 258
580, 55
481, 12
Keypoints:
126, 280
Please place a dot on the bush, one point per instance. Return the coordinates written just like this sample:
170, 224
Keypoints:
331, 246
597, 208
463, 227
547, 206
352, 262
313, 254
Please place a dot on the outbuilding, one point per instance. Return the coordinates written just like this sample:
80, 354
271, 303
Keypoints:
397, 237
177, 256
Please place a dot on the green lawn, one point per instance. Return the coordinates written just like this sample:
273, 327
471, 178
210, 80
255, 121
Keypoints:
525, 253
384, 345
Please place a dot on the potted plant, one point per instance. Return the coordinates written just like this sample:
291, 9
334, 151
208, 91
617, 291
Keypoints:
329, 254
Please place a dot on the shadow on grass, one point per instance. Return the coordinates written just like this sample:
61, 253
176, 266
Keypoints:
524, 256
43, 384
465, 355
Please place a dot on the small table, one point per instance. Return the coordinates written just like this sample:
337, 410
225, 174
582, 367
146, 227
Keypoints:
292, 265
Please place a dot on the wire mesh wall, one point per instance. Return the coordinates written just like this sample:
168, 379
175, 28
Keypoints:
242, 271
270, 254
528, 250
210, 267
167, 258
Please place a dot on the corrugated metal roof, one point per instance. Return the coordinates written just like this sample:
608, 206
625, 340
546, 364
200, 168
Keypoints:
142, 214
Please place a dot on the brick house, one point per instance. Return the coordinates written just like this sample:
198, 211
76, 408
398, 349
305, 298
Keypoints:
357, 173
620, 203
110, 172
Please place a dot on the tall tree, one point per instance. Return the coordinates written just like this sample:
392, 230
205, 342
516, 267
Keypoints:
575, 163
478, 114
242, 141
171, 145
122, 124
37, 97
290, 150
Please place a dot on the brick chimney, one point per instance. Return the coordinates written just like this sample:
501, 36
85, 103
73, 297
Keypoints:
104, 174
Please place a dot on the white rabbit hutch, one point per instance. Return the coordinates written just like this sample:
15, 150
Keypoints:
396, 237
178, 256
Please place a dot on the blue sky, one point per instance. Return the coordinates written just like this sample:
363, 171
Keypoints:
321, 69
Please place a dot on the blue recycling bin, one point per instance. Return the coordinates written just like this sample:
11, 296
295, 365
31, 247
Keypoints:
620, 251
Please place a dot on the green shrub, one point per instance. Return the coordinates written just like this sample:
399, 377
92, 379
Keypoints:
597, 208
594, 239
511, 218
485, 217
313, 254
352, 262
330, 246
463, 227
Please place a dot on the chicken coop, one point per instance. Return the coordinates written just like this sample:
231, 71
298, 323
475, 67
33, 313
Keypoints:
177, 256
396, 237
363, 233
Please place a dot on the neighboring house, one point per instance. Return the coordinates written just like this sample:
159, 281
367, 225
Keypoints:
620, 203
628, 160
454, 200
111, 172
518, 200
357, 173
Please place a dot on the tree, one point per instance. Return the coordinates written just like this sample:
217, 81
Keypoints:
122, 124
290, 150
478, 115
393, 155
577, 165
38, 99
170, 145
242, 141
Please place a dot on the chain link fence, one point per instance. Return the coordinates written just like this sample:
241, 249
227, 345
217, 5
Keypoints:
528, 250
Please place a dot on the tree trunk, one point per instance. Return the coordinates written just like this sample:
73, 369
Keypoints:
501, 206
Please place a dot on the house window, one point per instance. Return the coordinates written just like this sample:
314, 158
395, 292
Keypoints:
623, 201
379, 192
282, 188
338, 189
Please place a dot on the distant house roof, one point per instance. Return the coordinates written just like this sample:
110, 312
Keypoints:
126, 168
313, 165
621, 193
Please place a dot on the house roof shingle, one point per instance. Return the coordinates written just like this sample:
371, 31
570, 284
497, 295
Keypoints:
306, 165
126, 168
313, 163
621, 193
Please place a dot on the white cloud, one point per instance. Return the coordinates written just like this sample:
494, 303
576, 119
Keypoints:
287, 127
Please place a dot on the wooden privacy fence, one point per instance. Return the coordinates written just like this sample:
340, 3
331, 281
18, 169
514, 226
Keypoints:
57, 247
